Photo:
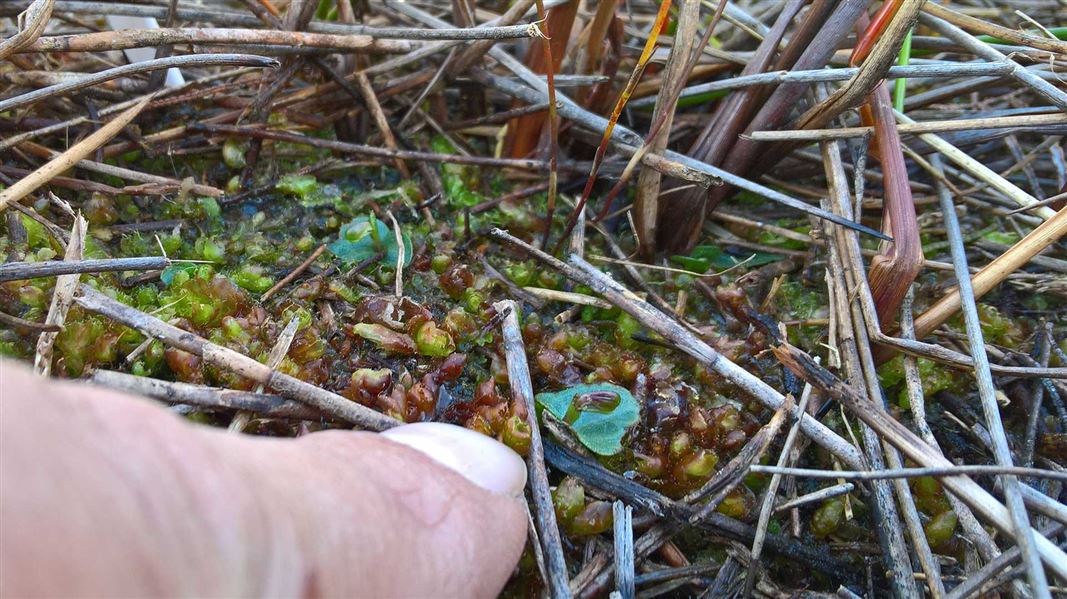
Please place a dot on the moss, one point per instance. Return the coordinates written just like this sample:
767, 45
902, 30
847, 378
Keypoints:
933, 376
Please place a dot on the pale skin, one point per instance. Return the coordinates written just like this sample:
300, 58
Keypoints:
104, 494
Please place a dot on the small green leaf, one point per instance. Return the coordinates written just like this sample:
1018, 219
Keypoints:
167, 276
599, 414
704, 257
301, 186
356, 242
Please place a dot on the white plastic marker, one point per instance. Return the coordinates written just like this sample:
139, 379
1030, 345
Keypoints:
119, 22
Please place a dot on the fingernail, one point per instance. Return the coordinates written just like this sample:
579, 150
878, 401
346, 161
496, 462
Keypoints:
480, 459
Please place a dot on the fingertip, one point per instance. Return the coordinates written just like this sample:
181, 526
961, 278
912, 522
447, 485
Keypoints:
371, 502
482, 460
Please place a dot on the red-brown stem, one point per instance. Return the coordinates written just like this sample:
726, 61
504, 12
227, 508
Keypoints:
553, 123
893, 271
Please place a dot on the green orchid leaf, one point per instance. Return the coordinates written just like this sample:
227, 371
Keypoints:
600, 414
705, 257
361, 239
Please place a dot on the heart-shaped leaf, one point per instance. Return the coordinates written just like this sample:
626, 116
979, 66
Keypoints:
598, 414
358, 241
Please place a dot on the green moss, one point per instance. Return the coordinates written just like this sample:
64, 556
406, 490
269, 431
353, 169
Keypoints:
251, 278
799, 302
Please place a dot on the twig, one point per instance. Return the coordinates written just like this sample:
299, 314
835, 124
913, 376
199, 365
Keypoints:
972, 529
1003, 122
31, 24
820, 495
67, 159
974, 582
1024, 76
770, 494
89, 80
62, 298
399, 256
860, 368
685, 572
933, 71
986, 392
487, 31
898, 473
624, 550
646, 202
522, 393
287, 386
154, 183
293, 274
274, 360
996, 271
13, 271
568, 297
267, 406
168, 36
360, 149
370, 99
980, 170
553, 118
22, 323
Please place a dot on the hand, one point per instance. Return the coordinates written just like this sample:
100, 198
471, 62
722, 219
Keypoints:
107, 494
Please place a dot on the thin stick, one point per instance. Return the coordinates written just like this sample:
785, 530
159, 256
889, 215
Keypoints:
287, 386
624, 550
31, 24
1011, 35
855, 344
1003, 122
979, 170
486, 31
687, 572
987, 393
568, 297
522, 393
769, 496
553, 121
973, 530
89, 80
971, 44
399, 255
67, 159
16, 322
169, 36
380, 121
62, 298
365, 150
932, 71
155, 183
14, 271
266, 405
820, 495
293, 274
973, 583
993, 273
646, 202
898, 473
274, 360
